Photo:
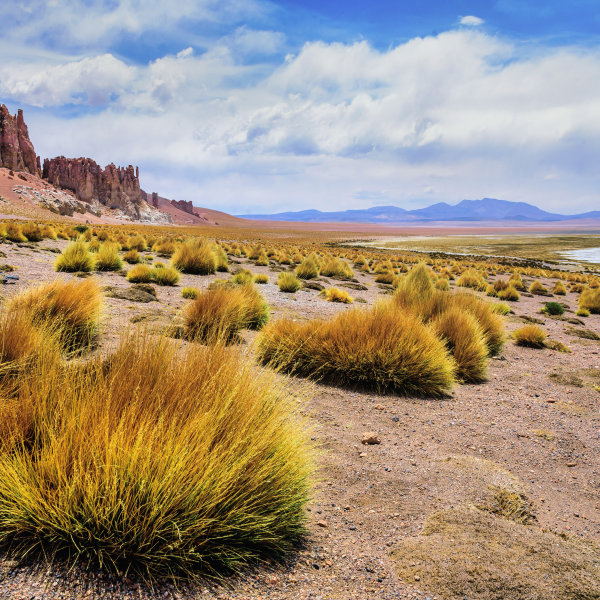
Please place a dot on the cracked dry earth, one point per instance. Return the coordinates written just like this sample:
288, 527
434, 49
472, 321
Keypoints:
537, 416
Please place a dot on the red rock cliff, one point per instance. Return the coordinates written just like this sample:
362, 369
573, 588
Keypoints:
185, 206
16, 150
114, 187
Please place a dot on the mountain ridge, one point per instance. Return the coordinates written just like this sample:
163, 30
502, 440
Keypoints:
485, 209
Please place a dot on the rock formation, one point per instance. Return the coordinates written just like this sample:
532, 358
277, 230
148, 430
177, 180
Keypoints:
16, 150
185, 205
114, 187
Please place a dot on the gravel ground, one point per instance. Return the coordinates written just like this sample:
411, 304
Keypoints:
537, 416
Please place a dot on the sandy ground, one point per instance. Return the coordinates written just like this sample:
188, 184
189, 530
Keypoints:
536, 416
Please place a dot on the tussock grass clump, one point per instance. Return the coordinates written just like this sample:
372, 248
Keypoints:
500, 308
559, 289
196, 257
538, 288
509, 293
381, 349
582, 312
221, 312
336, 295
467, 552
14, 233
190, 293
163, 275
135, 242
132, 257
308, 268
108, 257
140, 274
517, 281
70, 309
243, 276
261, 279
32, 232
288, 282
532, 336
19, 338
590, 300
336, 267
164, 247
472, 279
442, 284
164, 460
465, 338
76, 257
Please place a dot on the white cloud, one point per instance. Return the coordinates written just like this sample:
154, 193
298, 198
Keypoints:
461, 114
471, 21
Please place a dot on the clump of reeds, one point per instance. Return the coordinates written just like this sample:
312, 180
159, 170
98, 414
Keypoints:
165, 460
76, 257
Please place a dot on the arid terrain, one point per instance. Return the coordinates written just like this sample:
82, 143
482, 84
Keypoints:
533, 423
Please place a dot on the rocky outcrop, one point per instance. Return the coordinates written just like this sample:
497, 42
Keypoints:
186, 206
117, 188
16, 150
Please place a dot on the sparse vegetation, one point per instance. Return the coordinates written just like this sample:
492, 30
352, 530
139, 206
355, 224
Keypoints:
532, 336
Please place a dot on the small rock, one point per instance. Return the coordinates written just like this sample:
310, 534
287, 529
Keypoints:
417, 578
571, 464
322, 524
370, 438
550, 400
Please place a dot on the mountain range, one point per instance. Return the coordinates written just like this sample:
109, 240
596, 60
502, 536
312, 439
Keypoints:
486, 209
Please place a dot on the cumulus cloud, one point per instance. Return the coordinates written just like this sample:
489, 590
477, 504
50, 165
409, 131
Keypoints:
471, 21
460, 114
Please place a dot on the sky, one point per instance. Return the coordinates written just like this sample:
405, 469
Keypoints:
255, 106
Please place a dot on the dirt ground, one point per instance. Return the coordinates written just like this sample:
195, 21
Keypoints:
537, 417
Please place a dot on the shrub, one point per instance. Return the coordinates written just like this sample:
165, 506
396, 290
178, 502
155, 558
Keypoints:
466, 340
132, 257
559, 289
165, 275
70, 309
162, 460
261, 278
195, 256
308, 268
336, 295
381, 349
288, 282
221, 312
243, 276
75, 257
510, 293
81, 229
140, 274
532, 336
108, 258
590, 300
553, 308
190, 293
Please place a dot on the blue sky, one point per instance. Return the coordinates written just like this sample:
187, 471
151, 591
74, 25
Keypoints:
258, 106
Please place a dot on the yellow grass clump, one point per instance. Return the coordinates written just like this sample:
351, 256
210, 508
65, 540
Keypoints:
243, 276
108, 257
336, 295
165, 460
308, 268
221, 312
76, 257
381, 349
590, 300
71, 309
14, 233
261, 279
537, 288
336, 267
163, 275
532, 336
190, 293
559, 289
195, 256
32, 232
472, 279
288, 282
509, 293
132, 257
140, 274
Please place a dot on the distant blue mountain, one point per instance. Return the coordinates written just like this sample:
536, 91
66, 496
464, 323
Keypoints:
486, 209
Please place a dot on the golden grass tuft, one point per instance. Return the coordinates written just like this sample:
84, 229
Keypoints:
163, 275
243, 276
166, 460
221, 312
336, 295
140, 274
537, 288
532, 336
336, 267
76, 257
380, 348
14, 233
132, 257
308, 268
108, 257
509, 293
466, 340
195, 256
261, 278
70, 309
590, 300
559, 289
288, 282
472, 279
190, 293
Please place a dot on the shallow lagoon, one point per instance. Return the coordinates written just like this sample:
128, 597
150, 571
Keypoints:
591, 255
